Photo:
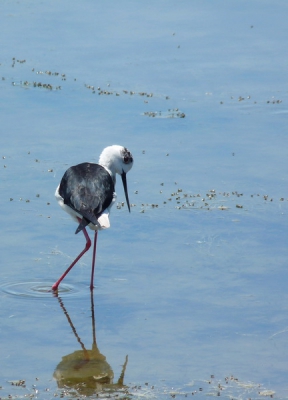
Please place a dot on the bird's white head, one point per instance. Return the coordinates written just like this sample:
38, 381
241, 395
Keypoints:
117, 159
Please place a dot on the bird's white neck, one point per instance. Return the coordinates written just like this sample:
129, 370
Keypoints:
109, 159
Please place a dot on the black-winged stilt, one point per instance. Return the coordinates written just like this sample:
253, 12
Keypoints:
87, 193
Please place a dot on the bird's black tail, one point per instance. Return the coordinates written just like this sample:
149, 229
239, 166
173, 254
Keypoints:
84, 222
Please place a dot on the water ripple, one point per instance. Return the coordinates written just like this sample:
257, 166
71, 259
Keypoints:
37, 289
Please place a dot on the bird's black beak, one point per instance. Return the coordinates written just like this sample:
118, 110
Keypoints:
123, 176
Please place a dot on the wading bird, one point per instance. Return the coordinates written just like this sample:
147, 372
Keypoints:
87, 193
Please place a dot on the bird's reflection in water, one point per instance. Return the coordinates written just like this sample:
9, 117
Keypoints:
87, 371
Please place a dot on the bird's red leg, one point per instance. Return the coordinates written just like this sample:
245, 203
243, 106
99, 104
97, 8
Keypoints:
93, 261
87, 247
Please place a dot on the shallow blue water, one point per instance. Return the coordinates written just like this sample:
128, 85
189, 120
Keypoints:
191, 284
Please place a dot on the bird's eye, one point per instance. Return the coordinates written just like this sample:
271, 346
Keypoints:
127, 156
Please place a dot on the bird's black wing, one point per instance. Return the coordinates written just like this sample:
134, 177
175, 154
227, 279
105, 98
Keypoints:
88, 189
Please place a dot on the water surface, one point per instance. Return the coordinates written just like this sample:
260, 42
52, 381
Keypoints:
190, 293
